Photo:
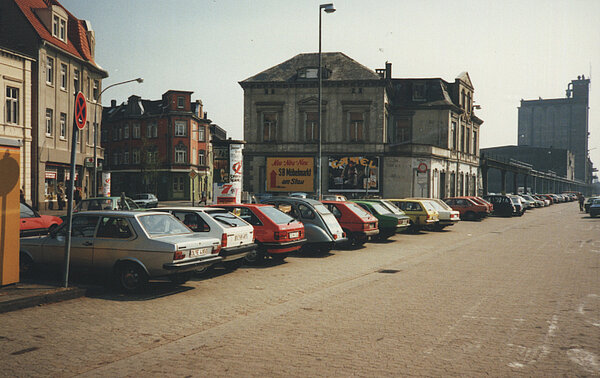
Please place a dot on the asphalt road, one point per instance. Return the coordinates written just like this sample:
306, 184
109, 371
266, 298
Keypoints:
501, 297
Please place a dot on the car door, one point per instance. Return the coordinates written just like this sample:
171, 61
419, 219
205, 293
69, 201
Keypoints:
114, 240
82, 243
31, 222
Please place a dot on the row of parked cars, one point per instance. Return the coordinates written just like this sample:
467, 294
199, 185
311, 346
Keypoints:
130, 246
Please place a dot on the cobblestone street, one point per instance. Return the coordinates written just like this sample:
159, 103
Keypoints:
500, 297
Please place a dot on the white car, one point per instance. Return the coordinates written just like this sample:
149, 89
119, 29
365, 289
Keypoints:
236, 235
146, 200
446, 214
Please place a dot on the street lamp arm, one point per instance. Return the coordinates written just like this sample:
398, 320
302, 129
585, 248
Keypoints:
139, 80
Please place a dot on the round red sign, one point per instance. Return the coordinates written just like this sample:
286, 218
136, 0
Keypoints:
80, 110
422, 168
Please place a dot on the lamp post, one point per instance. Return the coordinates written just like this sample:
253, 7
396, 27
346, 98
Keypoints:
328, 9
95, 185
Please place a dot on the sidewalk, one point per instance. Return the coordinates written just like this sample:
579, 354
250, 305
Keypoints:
29, 294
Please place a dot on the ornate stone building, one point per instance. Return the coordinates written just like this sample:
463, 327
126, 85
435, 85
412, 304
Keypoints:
380, 136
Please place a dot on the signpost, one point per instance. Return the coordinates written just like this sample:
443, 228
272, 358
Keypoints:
78, 124
193, 175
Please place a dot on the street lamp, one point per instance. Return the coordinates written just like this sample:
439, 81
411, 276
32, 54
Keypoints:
328, 9
95, 185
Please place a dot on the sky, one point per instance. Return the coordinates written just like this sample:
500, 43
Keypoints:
512, 50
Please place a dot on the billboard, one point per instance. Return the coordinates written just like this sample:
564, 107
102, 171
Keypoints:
221, 164
290, 174
354, 174
235, 162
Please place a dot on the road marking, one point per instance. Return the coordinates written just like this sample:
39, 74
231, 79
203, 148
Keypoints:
587, 360
540, 351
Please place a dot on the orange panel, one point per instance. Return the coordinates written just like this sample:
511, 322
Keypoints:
9, 214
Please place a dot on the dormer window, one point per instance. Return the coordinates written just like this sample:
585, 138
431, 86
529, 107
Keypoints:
308, 73
59, 27
419, 92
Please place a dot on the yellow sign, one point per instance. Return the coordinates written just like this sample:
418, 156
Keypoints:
290, 174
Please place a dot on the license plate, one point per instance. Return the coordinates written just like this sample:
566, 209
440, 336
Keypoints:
293, 235
240, 237
199, 252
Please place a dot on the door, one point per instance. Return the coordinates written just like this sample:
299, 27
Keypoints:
82, 243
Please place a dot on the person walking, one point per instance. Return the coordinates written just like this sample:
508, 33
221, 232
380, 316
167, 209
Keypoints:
581, 199
60, 197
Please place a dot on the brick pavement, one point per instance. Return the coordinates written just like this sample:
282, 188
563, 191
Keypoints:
499, 297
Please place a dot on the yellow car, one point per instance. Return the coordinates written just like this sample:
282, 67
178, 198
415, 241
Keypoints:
421, 213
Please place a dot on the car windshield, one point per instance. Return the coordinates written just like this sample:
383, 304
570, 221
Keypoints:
515, 200
95, 204
142, 196
277, 216
393, 208
321, 209
358, 210
428, 205
379, 208
596, 201
163, 225
437, 206
227, 218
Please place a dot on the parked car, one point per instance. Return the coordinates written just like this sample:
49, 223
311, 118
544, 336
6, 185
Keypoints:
527, 203
106, 203
595, 208
389, 223
470, 208
358, 224
32, 223
333, 197
588, 202
446, 215
518, 204
503, 206
236, 235
323, 231
127, 246
146, 200
536, 202
421, 213
276, 234
482, 201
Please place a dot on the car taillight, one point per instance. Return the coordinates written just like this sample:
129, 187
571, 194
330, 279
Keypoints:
178, 255
343, 234
366, 226
224, 240
334, 236
279, 235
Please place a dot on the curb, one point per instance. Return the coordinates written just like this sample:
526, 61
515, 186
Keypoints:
49, 296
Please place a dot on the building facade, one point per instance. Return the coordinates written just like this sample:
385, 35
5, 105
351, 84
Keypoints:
15, 107
560, 123
62, 48
158, 146
379, 135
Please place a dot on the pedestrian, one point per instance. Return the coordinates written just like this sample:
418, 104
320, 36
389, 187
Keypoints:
581, 199
60, 197
77, 196
22, 196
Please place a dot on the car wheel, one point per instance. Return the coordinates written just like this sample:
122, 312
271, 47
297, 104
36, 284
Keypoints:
25, 265
233, 264
131, 277
180, 278
256, 257
438, 227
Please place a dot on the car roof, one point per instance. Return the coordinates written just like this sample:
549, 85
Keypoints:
294, 199
123, 213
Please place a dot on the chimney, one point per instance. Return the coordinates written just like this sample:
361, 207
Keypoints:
388, 70
205, 115
113, 103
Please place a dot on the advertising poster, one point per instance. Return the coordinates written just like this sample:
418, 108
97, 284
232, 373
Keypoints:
290, 174
354, 174
235, 162
227, 193
105, 188
221, 164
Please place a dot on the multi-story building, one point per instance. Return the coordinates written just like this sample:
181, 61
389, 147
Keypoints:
15, 107
62, 51
158, 146
379, 135
560, 123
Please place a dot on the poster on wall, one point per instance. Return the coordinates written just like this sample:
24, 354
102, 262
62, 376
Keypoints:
235, 162
354, 174
221, 164
290, 174
227, 193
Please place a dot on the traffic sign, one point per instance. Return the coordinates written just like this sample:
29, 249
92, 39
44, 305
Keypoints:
193, 174
80, 110
422, 168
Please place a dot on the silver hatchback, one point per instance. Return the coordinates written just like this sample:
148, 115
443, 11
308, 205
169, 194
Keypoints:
129, 246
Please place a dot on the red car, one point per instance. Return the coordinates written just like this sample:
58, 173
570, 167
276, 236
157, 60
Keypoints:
481, 201
32, 223
469, 209
276, 233
357, 223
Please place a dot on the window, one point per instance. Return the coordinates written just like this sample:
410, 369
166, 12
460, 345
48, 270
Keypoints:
201, 157
308, 73
192, 220
194, 156
115, 158
12, 105
126, 157
120, 133
115, 133
55, 22
49, 127
136, 131
126, 132
201, 134
96, 89
63, 126
63, 76
419, 92
312, 126
180, 102
76, 81
135, 156
452, 141
463, 101
151, 130
88, 133
462, 138
49, 70
474, 142
356, 127
180, 128
115, 228
62, 30
403, 130
178, 184
152, 157
180, 154
269, 126
83, 226
468, 141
